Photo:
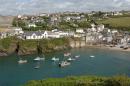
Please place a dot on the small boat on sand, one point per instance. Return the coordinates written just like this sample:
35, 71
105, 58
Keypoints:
55, 59
22, 61
64, 64
39, 59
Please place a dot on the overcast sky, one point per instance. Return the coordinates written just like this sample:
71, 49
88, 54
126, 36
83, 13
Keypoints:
13, 7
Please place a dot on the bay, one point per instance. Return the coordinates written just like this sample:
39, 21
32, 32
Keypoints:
105, 63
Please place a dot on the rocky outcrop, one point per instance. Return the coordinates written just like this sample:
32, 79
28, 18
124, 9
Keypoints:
77, 44
26, 51
3, 53
27, 47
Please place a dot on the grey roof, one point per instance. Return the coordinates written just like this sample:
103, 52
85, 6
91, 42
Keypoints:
30, 33
51, 33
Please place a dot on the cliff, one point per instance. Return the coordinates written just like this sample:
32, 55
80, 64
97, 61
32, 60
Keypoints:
24, 47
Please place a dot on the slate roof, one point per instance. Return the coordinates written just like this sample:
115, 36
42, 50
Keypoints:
52, 33
30, 33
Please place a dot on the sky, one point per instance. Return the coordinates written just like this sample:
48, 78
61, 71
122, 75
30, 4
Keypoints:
15, 7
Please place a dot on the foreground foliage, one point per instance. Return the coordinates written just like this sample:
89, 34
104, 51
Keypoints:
83, 81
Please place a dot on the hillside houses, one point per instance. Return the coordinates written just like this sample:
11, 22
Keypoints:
44, 34
97, 34
3, 35
80, 31
32, 25
40, 35
12, 31
32, 35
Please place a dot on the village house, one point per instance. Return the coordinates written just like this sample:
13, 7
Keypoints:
40, 35
93, 27
32, 35
100, 27
32, 25
99, 34
72, 18
12, 31
17, 30
49, 34
71, 33
3, 35
117, 13
114, 31
81, 31
90, 38
62, 33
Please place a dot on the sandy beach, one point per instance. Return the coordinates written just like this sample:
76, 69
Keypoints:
108, 47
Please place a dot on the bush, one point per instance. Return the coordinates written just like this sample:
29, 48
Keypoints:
83, 81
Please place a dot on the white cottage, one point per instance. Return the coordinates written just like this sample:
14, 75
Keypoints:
17, 30
33, 35
32, 25
80, 31
3, 35
49, 34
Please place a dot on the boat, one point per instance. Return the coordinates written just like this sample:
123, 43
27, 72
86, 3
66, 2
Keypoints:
42, 58
92, 56
64, 64
39, 59
125, 47
22, 61
67, 54
71, 59
37, 67
77, 56
55, 59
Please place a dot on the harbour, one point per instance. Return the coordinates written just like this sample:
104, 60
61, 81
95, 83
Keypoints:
92, 61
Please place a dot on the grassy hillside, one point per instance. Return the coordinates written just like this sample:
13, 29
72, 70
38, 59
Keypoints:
83, 81
8, 42
119, 22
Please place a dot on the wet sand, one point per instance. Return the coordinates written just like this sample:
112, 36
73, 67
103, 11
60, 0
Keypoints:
108, 47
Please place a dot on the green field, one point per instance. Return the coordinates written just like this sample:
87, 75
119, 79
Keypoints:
119, 23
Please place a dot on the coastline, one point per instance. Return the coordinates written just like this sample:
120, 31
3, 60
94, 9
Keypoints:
3, 54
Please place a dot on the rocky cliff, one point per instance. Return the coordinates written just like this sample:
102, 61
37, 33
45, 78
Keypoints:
24, 47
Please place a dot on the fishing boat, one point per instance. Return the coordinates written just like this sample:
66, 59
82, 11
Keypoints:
37, 67
22, 61
92, 56
67, 54
39, 59
71, 59
64, 64
77, 56
42, 58
55, 59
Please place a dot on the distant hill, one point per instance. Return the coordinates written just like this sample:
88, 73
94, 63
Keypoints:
6, 21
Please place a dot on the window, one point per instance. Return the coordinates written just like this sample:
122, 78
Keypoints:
34, 36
